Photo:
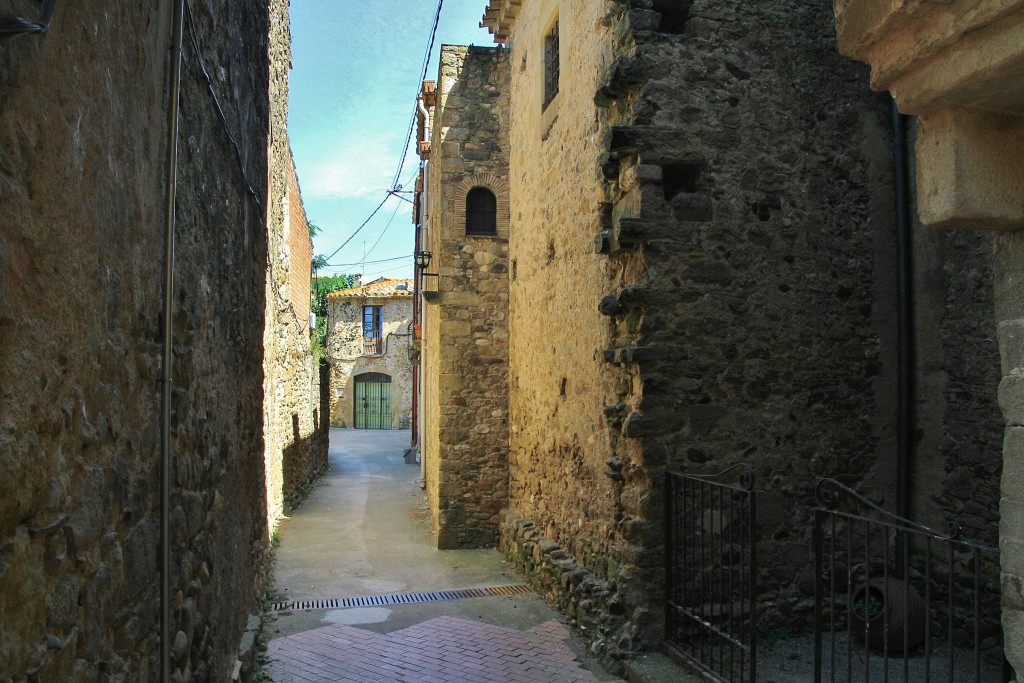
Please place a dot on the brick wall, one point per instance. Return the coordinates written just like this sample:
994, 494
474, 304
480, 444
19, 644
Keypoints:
300, 248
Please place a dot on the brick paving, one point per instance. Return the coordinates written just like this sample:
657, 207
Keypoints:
441, 650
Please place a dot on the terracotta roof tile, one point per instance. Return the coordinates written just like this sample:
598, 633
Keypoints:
380, 288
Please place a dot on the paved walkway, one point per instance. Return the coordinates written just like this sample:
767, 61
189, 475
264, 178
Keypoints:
365, 532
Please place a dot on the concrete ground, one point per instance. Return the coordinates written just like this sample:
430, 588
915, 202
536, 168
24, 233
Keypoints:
365, 531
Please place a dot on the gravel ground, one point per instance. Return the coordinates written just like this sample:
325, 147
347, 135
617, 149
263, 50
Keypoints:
792, 661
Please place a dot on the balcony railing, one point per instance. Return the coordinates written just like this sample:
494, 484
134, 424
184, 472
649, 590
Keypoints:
373, 346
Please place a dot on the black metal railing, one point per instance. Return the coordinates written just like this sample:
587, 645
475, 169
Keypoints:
711, 570
897, 601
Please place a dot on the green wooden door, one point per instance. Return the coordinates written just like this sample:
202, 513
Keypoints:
373, 401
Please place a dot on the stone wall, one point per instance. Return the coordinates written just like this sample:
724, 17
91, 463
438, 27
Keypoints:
741, 309
958, 427
345, 352
83, 122
1009, 294
295, 434
954, 67
566, 516
465, 341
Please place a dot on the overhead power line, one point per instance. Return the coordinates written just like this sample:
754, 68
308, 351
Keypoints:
395, 188
419, 84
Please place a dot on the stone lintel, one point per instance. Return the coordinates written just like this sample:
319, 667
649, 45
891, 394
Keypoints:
959, 66
934, 54
970, 170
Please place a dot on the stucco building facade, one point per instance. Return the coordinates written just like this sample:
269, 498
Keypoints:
704, 269
369, 343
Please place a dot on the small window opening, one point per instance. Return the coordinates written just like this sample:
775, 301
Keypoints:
551, 65
676, 178
481, 212
674, 14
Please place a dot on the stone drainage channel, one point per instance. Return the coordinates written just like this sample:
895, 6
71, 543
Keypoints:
400, 598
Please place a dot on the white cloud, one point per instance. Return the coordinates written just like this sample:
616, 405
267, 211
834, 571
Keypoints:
352, 168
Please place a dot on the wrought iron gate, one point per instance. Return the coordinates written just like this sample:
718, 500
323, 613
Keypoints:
896, 601
373, 401
711, 570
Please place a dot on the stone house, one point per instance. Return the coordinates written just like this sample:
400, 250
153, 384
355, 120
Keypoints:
101, 578
705, 266
369, 345
464, 367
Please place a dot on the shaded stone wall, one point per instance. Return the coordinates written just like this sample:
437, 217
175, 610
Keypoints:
345, 352
1009, 295
295, 434
958, 426
736, 173
465, 361
83, 121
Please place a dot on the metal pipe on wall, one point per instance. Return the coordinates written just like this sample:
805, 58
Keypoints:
905, 313
171, 179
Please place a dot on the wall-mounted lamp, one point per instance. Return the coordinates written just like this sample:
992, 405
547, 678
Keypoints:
423, 258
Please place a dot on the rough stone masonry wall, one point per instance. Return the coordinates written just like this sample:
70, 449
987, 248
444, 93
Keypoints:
748, 221
295, 434
83, 120
959, 429
466, 360
345, 351
1009, 309
755, 186
570, 525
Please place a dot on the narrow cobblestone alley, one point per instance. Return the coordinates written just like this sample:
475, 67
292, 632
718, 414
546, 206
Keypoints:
364, 533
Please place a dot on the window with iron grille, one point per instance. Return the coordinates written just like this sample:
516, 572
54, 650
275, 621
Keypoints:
551, 64
481, 212
373, 330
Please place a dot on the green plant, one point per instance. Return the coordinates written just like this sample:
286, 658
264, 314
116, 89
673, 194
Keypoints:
322, 286
873, 607
316, 347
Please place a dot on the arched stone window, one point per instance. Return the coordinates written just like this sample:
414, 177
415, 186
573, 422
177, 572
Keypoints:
481, 206
481, 212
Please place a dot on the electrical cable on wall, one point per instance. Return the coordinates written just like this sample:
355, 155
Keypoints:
363, 224
371, 355
219, 110
17, 26
419, 84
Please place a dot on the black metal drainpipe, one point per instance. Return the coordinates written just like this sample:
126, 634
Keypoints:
177, 30
905, 320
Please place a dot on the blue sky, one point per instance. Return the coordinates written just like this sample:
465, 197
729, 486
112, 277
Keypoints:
356, 70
